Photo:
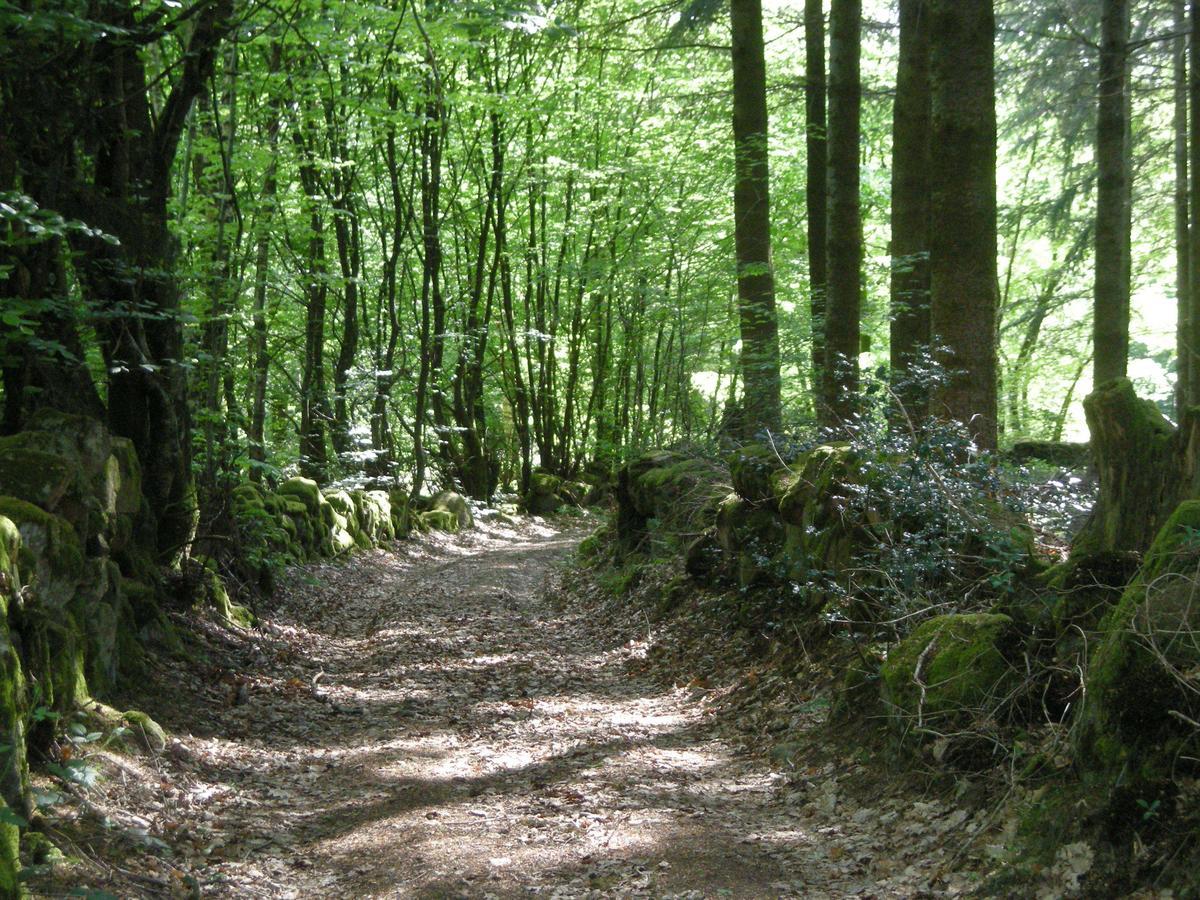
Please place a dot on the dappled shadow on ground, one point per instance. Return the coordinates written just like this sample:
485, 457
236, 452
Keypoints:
424, 723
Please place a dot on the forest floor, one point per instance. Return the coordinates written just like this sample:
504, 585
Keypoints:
435, 721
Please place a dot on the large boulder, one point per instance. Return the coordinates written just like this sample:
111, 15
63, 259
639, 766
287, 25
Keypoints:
751, 537
456, 505
753, 469
674, 494
542, 498
952, 672
70, 466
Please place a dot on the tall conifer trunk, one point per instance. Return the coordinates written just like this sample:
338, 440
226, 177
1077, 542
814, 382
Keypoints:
962, 244
844, 291
816, 146
752, 224
910, 204
1111, 322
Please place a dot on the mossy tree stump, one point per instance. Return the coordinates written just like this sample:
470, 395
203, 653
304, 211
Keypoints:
1146, 468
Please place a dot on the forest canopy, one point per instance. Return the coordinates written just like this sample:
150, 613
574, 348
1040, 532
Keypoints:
474, 240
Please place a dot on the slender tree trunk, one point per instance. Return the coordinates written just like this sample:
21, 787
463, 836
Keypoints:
752, 224
1183, 288
1193, 350
910, 206
844, 293
962, 243
816, 145
1111, 316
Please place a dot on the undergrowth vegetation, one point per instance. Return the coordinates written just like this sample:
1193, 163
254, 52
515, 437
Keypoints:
934, 586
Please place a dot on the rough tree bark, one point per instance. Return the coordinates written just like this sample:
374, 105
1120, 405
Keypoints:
843, 294
1111, 312
962, 245
752, 224
816, 145
911, 151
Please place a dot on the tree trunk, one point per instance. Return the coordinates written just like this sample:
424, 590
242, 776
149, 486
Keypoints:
963, 197
910, 208
1193, 351
1111, 314
844, 292
752, 224
1145, 466
1184, 396
816, 199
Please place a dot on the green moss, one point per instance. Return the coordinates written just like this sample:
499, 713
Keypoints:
456, 505
148, 733
1126, 739
34, 475
39, 849
216, 595
805, 494
305, 490
439, 520
50, 550
10, 859
751, 537
753, 468
949, 671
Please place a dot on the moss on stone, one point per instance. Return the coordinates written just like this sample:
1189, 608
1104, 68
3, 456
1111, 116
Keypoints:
305, 490
10, 859
148, 733
439, 520
806, 495
542, 498
34, 475
950, 671
50, 550
456, 505
751, 537
753, 468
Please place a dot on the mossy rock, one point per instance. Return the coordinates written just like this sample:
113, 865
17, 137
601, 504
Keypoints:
704, 557
374, 510
753, 468
1129, 740
343, 506
596, 547
39, 850
456, 505
303, 490
951, 672
50, 551
148, 733
438, 520
10, 856
33, 475
573, 493
10, 550
543, 497
674, 493
817, 489
751, 538
53, 653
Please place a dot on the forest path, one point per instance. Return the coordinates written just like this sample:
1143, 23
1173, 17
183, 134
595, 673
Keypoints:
425, 722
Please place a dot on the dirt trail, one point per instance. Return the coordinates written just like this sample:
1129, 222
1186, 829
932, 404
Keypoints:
425, 723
